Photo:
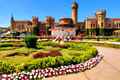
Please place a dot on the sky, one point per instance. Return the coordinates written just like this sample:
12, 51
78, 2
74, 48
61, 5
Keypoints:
25, 9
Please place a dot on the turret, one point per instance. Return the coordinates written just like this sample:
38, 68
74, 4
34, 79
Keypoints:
35, 20
101, 15
12, 23
74, 12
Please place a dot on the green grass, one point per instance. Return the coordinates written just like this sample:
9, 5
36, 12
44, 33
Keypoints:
116, 40
72, 54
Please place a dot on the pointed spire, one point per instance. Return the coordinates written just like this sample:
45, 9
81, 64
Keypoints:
74, 1
12, 18
74, 4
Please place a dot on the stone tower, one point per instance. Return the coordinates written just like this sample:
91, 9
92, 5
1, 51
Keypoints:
50, 21
35, 21
12, 22
101, 15
74, 12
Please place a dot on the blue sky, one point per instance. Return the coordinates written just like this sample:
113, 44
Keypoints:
25, 9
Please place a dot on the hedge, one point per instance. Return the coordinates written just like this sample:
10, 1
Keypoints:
86, 52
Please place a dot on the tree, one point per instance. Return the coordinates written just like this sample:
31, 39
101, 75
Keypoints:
36, 30
48, 27
31, 41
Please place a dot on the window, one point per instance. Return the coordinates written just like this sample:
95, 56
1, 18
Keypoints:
119, 25
91, 25
102, 24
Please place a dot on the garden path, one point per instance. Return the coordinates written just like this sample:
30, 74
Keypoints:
107, 69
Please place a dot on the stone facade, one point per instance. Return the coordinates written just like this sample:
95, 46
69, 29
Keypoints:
49, 26
100, 21
65, 27
26, 26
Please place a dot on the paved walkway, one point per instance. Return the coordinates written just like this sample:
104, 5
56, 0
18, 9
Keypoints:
107, 69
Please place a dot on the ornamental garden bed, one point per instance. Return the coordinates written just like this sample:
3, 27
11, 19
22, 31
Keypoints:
50, 56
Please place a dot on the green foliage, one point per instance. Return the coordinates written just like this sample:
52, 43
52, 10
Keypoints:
6, 44
31, 41
75, 53
14, 34
36, 30
81, 53
10, 45
6, 68
116, 40
99, 31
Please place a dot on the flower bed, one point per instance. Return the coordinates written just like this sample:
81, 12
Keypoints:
51, 53
49, 72
46, 55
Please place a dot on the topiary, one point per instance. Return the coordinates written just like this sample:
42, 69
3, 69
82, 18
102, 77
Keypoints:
31, 41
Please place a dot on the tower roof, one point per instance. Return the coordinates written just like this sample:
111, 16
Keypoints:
12, 18
74, 4
102, 11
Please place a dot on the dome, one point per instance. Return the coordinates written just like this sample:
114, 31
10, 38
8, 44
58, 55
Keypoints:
101, 12
65, 21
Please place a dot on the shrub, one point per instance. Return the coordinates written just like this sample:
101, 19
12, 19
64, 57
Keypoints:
31, 41
6, 44
36, 30
54, 57
6, 68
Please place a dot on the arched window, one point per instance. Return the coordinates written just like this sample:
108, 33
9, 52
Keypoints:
102, 24
119, 25
91, 25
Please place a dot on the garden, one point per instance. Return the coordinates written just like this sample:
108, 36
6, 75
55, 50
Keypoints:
20, 60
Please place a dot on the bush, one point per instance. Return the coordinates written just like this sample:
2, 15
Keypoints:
6, 68
31, 41
55, 57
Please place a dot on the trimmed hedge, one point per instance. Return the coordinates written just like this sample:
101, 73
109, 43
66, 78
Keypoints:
116, 40
6, 67
74, 54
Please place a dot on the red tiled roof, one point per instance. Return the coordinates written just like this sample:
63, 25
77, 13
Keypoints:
115, 19
18, 21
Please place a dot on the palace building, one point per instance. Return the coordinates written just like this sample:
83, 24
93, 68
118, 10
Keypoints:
99, 24
67, 26
27, 26
107, 25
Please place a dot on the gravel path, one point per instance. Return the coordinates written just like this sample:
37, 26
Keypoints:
107, 69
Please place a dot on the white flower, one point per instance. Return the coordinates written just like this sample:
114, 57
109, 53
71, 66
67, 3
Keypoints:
28, 73
16, 77
39, 76
14, 74
35, 77
23, 72
22, 75
30, 77
4, 75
